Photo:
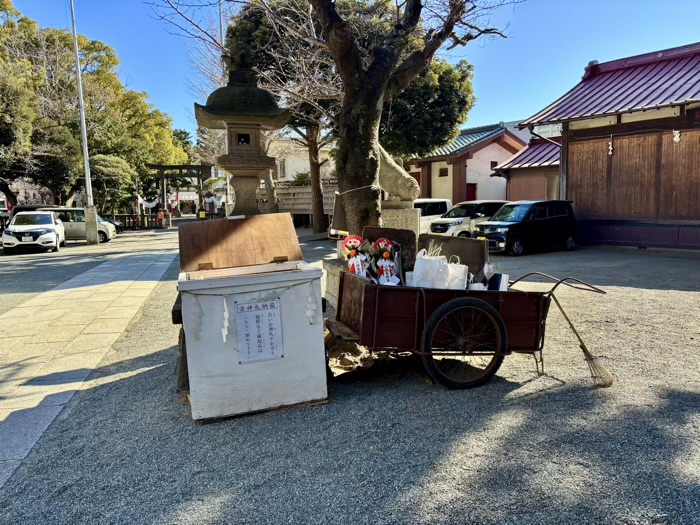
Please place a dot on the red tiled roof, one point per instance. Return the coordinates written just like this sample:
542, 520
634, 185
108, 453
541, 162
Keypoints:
654, 80
538, 154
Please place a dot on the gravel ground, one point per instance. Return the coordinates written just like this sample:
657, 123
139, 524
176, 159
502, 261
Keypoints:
391, 448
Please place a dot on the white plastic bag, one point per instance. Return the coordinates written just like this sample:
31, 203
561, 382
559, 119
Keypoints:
458, 275
430, 272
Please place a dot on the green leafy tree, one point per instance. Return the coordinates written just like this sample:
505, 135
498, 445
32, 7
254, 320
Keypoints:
18, 106
112, 181
39, 128
429, 112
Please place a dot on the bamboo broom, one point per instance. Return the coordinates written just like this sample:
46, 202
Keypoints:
599, 373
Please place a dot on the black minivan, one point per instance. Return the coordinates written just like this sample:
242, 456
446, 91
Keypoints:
529, 226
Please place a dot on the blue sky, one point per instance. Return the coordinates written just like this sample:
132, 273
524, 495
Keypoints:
549, 43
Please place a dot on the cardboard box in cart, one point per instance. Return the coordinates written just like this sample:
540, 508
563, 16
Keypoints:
254, 332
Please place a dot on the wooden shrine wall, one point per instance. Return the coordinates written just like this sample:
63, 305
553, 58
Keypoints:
648, 177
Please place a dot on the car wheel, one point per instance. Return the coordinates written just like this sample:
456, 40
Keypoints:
570, 243
103, 236
8, 251
58, 244
463, 234
515, 248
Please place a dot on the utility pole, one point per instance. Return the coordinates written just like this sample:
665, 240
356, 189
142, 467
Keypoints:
221, 25
90, 211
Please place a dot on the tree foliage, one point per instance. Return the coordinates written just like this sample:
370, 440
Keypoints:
39, 114
112, 180
428, 113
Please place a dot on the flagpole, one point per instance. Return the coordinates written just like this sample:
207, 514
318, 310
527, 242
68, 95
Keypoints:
90, 212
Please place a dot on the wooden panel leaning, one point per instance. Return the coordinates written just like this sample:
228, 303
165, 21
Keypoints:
226, 243
473, 253
405, 238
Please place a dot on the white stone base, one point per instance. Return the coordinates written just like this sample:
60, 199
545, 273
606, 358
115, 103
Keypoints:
406, 219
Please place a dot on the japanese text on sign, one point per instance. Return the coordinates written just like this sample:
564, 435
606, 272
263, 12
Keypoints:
259, 331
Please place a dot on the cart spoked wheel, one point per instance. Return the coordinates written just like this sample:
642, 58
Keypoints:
464, 343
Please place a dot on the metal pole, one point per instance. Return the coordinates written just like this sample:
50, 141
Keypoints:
221, 24
90, 212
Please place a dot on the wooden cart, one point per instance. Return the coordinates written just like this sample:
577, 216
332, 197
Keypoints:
462, 336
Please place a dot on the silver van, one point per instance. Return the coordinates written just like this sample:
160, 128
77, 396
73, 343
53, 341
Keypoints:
74, 223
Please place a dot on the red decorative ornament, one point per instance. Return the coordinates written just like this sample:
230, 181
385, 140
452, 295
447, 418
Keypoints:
352, 242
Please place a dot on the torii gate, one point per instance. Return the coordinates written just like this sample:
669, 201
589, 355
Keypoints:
201, 172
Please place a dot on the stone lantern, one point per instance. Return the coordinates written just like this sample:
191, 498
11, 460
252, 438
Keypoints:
244, 111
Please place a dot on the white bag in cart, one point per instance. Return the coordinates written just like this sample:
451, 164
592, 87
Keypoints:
458, 274
430, 272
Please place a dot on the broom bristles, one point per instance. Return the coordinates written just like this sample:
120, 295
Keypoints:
601, 376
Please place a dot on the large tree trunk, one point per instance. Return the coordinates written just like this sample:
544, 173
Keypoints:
358, 158
11, 195
319, 215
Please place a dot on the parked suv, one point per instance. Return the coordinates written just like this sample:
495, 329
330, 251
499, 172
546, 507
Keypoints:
431, 209
531, 225
462, 219
33, 229
74, 223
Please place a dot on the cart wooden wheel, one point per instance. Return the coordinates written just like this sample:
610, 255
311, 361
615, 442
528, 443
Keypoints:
464, 343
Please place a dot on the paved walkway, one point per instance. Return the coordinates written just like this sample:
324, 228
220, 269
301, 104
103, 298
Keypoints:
50, 344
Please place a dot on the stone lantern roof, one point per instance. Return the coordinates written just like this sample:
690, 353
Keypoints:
241, 101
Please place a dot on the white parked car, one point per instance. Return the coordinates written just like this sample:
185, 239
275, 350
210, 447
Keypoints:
461, 221
38, 229
431, 209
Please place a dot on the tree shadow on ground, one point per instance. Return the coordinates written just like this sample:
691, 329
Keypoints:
387, 448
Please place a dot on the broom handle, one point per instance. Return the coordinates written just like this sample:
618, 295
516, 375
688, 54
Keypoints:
583, 345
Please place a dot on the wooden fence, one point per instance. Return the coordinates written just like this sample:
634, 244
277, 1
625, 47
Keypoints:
136, 222
291, 198
296, 199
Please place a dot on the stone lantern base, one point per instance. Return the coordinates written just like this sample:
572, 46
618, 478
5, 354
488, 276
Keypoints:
246, 172
245, 189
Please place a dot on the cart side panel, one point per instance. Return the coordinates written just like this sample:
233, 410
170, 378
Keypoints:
521, 313
394, 317
524, 318
391, 318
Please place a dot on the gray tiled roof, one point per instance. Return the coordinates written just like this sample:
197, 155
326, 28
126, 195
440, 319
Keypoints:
468, 138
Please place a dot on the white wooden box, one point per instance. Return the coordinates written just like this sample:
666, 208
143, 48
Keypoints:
224, 381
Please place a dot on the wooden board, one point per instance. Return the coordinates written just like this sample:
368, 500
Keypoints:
224, 243
472, 252
341, 332
405, 238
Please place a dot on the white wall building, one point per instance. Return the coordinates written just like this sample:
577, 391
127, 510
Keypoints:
462, 170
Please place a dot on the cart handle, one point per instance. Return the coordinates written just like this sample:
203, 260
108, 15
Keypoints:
565, 281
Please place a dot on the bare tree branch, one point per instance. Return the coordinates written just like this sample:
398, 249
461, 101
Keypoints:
278, 20
190, 27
